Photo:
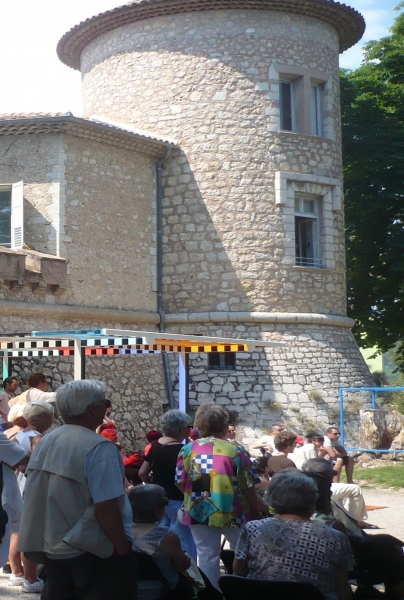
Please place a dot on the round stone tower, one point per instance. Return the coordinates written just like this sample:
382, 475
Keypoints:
253, 240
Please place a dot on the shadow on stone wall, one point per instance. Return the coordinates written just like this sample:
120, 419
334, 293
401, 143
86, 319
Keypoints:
207, 264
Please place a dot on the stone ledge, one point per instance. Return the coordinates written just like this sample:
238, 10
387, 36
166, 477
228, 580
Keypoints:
77, 313
259, 317
28, 267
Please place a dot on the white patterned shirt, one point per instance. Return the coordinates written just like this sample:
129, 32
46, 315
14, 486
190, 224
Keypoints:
294, 550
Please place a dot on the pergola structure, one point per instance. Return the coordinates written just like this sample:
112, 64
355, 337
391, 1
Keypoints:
106, 342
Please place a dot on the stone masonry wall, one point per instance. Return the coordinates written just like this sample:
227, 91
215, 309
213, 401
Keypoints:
135, 384
93, 205
35, 160
110, 227
296, 385
210, 80
206, 79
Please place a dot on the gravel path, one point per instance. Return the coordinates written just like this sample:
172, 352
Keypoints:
389, 520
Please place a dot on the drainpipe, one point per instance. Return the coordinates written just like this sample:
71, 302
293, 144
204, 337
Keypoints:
159, 241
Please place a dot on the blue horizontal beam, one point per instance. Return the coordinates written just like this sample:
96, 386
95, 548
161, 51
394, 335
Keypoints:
83, 333
373, 389
374, 450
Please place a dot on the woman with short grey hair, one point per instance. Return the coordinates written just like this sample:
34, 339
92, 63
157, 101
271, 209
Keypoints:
160, 462
39, 416
174, 422
290, 546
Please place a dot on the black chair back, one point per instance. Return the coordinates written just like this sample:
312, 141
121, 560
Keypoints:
146, 567
242, 588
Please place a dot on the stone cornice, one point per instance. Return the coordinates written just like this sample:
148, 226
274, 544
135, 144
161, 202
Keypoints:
80, 313
259, 317
348, 23
76, 313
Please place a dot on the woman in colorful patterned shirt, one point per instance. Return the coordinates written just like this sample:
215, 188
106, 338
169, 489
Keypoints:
291, 547
218, 482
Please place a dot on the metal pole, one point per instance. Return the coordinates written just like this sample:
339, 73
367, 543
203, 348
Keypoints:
79, 360
183, 377
373, 399
6, 366
341, 415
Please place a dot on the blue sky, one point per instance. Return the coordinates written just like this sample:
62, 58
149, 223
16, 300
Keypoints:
34, 80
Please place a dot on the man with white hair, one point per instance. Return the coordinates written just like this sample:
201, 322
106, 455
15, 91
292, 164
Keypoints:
77, 519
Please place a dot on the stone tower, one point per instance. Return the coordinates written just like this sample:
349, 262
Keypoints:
253, 241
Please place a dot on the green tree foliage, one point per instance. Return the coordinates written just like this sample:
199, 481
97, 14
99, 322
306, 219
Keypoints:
372, 102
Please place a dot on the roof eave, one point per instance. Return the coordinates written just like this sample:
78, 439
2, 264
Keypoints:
348, 23
87, 129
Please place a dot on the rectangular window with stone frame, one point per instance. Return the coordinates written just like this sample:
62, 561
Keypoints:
307, 231
222, 361
12, 215
316, 113
287, 109
291, 103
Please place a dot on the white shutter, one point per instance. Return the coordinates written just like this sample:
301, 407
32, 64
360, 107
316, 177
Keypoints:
17, 216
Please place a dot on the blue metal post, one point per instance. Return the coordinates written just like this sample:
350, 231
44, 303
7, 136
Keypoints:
373, 399
341, 415
183, 376
6, 364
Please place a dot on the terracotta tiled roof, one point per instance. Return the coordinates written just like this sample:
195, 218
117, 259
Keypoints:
348, 23
115, 134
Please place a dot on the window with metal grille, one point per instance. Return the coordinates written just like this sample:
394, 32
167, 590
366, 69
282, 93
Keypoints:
222, 361
307, 232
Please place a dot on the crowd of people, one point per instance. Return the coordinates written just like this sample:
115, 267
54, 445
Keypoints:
85, 520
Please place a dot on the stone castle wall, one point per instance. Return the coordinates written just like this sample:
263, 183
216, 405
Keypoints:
296, 385
209, 80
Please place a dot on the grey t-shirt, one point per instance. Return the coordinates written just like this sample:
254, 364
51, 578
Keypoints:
329, 442
104, 473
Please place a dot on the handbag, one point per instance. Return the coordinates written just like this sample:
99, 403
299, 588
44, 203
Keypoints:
3, 513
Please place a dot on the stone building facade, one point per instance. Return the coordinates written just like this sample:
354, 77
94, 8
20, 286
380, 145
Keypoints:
89, 253
252, 217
